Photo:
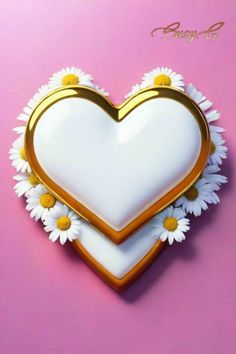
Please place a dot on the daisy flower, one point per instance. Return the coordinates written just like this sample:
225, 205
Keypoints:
216, 129
135, 89
195, 199
163, 77
18, 156
62, 223
70, 76
198, 97
26, 114
42, 92
100, 90
19, 130
25, 182
218, 149
211, 176
40, 202
171, 224
212, 116
205, 104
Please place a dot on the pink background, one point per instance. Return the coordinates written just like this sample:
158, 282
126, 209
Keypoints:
50, 300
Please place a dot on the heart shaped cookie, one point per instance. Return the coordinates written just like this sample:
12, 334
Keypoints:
117, 166
118, 181
118, 265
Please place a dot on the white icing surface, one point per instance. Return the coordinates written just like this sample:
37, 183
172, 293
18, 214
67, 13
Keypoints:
117, 259
117, 169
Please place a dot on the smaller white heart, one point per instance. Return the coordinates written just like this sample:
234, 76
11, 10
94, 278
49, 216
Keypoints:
117, 259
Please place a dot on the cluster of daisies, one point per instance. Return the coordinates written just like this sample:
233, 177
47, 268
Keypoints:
170, 224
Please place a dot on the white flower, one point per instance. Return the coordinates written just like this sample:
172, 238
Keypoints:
20, 130
195, 199
40, 202
62, 223
25, 182
42, 92
212, 116
70, 76
18, 156
100, 90
135, 89
210, 176
171, 224
198, 97
218, 149
26, 114
216, 129
163, 77
205, 104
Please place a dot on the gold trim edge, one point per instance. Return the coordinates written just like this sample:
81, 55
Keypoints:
117, 113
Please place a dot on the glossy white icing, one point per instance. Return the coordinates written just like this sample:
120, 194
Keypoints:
117, 259
117, 169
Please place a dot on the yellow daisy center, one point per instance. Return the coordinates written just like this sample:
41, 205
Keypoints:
70, 79
162, 80
212, 148
47, 200
170, 223
22, 154
63, 223
33, 179
192, 193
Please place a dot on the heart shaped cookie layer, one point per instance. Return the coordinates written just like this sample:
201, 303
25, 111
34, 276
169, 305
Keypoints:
117, 166
118, 265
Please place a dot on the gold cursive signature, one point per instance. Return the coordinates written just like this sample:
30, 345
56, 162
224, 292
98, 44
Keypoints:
173, 31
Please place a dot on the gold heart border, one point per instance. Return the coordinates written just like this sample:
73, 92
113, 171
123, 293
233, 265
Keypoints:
119, 284
118, 113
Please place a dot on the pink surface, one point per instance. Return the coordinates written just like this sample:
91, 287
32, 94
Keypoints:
50, 300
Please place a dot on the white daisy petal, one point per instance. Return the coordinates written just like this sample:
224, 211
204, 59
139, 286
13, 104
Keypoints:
63, 237
212, 116
100, 90
171, 238
205, 105
198, 97
42, 92
20, 130
54, 235
135, 89
164, 236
